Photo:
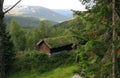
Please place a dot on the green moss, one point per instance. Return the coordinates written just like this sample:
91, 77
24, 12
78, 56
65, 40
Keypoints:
59, 41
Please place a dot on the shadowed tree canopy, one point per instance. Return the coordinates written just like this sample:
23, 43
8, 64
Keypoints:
103, 13
2, 37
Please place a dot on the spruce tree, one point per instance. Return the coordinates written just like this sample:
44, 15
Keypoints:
101, 14
2, 37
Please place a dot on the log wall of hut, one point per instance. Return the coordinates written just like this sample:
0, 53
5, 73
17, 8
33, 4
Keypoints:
44, 48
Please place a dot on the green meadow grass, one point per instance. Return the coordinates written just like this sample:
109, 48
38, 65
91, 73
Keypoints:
60, 72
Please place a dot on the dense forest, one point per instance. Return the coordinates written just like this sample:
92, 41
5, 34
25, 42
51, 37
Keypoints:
95, 34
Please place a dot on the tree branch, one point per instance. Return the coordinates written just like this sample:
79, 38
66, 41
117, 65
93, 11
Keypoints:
12, 7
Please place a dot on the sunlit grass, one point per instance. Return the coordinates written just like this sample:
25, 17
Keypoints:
61, 72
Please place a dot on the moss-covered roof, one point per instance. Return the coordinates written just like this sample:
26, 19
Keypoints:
58, 41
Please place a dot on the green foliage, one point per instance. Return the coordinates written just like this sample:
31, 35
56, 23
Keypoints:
44, 30
118, 60
88, 62
17, 36
105, 69
2, 36
26, 39
9, 53
96, 30
6, 50
34, 60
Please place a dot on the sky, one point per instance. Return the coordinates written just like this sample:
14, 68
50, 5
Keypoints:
51, 4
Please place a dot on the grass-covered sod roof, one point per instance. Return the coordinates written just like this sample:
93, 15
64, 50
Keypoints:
58, 41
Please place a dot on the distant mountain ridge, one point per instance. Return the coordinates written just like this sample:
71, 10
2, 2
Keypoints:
41, 13
65, 12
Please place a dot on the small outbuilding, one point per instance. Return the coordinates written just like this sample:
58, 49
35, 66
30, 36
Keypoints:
56, 45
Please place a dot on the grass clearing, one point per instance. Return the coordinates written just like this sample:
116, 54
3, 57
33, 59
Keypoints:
60, 72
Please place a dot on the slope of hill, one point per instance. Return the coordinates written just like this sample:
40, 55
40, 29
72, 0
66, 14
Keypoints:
69, 24
26, 21
39, 12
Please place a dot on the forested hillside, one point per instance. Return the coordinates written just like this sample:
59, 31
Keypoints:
26, 21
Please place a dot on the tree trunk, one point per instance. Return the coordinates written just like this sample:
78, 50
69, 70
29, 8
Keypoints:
1, 10
113, 39
2, 72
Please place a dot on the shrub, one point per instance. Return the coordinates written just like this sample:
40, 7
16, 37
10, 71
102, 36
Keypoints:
34, 60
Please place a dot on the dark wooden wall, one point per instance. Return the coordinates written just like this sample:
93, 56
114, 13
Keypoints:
44, 48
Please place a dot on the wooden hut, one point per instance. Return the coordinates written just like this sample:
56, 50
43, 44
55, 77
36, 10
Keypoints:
118, 52
56, 45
